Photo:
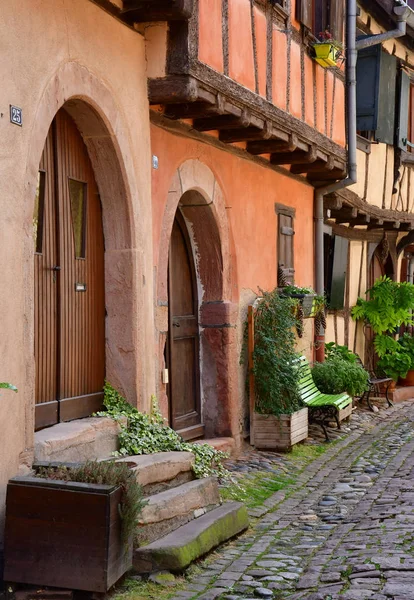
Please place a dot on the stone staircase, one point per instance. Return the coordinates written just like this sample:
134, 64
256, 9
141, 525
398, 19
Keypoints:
183, 519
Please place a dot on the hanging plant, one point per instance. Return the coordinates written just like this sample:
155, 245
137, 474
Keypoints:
328, 51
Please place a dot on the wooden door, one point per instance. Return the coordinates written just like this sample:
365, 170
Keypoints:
69, 280
183, 355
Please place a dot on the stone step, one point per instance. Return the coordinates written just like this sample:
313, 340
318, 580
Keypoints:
161, 471
77, 441
177, 550
168, 510
224, 444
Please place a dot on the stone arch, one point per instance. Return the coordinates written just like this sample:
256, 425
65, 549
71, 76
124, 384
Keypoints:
92, 106
195, 192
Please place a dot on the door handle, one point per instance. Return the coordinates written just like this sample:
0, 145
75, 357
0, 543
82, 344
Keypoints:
176, 324
55, 269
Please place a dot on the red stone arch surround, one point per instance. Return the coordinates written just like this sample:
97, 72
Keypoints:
195, 192
92, 106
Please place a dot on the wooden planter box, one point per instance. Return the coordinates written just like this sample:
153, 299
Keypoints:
280, 433
64, 534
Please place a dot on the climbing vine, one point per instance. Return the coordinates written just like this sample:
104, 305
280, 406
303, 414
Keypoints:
147, 433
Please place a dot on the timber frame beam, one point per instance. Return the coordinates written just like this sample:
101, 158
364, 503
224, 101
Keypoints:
346, 207
238, 117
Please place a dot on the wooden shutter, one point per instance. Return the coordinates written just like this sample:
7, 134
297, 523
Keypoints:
368, 76
404, 103
337, 17
285, 246
304, 12
386, 99
339, 266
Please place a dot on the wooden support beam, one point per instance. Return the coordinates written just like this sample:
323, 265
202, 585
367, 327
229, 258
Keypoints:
326, 176
145, 11
223, 122
294, 158
318, 167
333, 202
277, 145
189, 111
244, 134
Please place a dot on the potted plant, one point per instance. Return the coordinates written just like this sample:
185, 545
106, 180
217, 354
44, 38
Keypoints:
72, 527
327, 50
406, 342
305, 295
280, 419
337, 375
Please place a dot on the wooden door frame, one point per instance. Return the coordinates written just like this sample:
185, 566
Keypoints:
196, 431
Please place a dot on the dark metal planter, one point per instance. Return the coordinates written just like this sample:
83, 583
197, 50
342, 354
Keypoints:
307, 301
64, 534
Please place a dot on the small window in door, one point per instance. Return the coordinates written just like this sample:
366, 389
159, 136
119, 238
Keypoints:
285, 243
77, 194
38, 213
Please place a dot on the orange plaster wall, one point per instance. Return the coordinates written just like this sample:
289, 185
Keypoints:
241, 65
320, 99
295, 81
279, 66
250, 192
260, 25
309, 113
338, 134
329, 100
210, 45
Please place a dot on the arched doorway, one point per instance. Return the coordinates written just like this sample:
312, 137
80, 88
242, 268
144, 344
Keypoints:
183, 356
69, 280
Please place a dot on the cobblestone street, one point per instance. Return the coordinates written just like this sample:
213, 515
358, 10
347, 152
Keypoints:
345, 532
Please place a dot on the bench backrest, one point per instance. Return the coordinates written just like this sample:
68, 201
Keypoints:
307, 388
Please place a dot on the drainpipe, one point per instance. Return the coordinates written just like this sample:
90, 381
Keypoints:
352, 46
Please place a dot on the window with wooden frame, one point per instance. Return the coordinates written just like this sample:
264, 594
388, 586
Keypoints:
319, 16
285, 241
406, 112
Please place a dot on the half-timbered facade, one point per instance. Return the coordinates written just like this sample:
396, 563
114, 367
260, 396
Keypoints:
370, 224
160, 165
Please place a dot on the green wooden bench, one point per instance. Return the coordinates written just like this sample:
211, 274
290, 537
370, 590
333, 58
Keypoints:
322, 407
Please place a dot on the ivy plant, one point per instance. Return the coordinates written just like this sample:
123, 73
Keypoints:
148, 433
8, 386
275, 361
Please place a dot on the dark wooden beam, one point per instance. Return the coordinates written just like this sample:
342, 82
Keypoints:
319, 167
222, 122
326, 176
275, 145
143, 11
189, 110
244, 134
296, 157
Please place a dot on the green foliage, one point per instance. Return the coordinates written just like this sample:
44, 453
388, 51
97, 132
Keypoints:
8, 386
275, 364
333, 350
147, 433
292, 289
406, 341
108, 473
394, 364
335, 376
389, 305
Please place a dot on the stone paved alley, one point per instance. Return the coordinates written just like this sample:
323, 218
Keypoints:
345, 532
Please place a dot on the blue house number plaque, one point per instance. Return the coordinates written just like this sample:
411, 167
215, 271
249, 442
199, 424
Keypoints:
16, 116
